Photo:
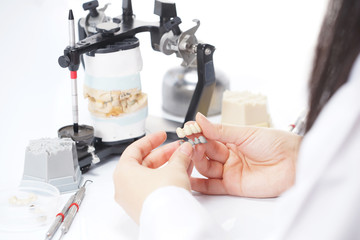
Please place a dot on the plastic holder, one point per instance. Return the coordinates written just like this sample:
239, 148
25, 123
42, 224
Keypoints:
30, 207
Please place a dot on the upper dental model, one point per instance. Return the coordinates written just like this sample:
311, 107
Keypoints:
188, 130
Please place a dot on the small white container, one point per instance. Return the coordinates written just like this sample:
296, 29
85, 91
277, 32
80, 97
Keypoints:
30, 207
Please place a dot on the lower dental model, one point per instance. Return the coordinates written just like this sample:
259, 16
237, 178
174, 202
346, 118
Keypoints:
114, 103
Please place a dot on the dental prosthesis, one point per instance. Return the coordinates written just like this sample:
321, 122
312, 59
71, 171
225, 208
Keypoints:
189, 130
23, 201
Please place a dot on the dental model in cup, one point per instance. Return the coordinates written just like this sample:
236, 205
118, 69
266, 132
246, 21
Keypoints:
189, 130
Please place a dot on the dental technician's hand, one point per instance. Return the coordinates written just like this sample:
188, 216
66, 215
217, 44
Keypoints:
137, 173
245, 161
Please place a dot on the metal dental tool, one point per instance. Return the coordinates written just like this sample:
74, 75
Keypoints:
73, 209
59, 219
299, 126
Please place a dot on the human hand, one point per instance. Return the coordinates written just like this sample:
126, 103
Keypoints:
137, 173
245, 161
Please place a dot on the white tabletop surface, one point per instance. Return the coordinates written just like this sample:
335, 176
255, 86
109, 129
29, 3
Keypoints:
262, 46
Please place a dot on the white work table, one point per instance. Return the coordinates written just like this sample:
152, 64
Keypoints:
265, 47
100, 217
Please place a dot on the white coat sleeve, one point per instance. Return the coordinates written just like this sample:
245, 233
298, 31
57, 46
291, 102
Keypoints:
173, 213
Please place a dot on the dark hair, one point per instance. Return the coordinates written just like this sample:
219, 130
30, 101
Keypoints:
337, 48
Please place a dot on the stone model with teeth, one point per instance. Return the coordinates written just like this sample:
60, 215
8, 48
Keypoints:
114, 103
112, 85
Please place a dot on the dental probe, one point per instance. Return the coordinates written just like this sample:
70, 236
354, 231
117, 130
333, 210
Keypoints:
299, 126
73, 75
73, 209
59, 219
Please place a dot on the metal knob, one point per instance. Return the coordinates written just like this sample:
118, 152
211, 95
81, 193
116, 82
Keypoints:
165, 9
91, 6
64, 61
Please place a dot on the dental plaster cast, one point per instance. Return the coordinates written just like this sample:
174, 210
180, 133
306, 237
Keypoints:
114, 103
245, 108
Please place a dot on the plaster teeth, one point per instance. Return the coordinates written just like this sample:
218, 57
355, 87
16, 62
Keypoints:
99, 104
196, 125
191, 141
202, 139
180, 132
123, 103
193, 129
187, 130
196, 141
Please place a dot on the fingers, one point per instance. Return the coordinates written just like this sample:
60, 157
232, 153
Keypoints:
138, 150
190, 169
182, 156
216, 151
209, 168
208, 186
160, 155
225, 133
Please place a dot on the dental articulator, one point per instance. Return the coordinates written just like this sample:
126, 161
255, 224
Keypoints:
109, 52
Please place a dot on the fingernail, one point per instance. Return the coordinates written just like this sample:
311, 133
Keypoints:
186, 148
200, 114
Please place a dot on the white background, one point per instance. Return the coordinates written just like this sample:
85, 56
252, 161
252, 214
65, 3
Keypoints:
263, 46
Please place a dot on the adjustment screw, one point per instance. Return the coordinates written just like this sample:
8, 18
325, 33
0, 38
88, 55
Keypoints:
207, 51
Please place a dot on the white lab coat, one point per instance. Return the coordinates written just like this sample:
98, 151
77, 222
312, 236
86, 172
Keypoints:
324, 203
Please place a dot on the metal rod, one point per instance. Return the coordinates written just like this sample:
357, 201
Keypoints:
73, 76
74, 100
71, 29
